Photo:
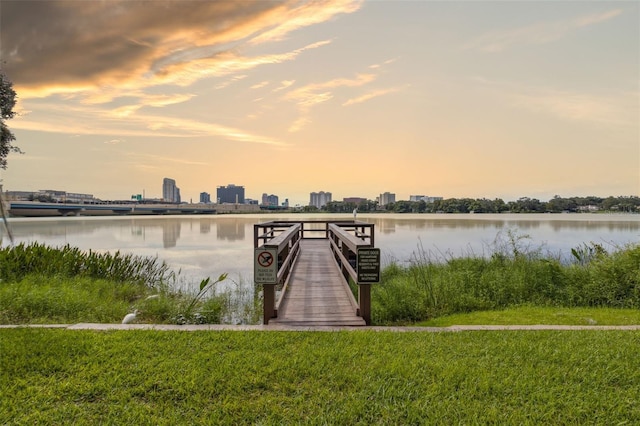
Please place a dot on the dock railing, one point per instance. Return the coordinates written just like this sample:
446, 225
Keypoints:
344, 247
284, 238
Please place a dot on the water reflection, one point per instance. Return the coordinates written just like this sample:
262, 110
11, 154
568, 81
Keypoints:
187, 243
170, 233
205, 226
231, 230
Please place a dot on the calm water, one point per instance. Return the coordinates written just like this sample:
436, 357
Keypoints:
201, 246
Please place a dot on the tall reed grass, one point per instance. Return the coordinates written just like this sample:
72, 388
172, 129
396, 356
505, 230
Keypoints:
513, 275
43, 284
21, 260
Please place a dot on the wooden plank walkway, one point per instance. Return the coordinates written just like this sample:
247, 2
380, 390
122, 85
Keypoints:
317, 294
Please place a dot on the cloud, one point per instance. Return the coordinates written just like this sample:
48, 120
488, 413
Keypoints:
125, 111
114, 141
299, 124
72, 120
615, 109
157, 101
306, 14
89, 67
313, 94
230, 81
186, 73
371, 95
70, 43
538, 33
283, 85
387, 62
73, 46
259, 85
583, 107
160, 159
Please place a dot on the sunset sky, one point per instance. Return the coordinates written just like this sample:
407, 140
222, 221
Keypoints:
453, 99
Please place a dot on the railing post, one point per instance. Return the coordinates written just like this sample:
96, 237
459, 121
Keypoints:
269, 302
343, 269
364, 302
256, 227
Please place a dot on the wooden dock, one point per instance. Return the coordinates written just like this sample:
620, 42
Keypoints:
310, 264
317, 293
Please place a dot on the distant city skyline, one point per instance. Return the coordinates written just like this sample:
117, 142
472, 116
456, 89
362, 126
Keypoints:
322, 199
453, 99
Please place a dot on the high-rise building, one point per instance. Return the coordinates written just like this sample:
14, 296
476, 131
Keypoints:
427, 199
354, 200
386, 198
170, 192
319, 199
205, 198
269, 200
230, 194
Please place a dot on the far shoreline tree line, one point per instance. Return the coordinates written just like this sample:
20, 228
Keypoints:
621, 204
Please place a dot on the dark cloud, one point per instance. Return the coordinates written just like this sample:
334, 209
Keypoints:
67, 43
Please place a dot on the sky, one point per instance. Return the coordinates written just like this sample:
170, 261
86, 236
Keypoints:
455, 99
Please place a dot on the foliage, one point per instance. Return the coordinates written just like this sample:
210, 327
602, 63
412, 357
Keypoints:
7, 103
48, 300
483, 205
188, 315
21, 260
350, 377
514, 275
348, 207
586, 253
41, 284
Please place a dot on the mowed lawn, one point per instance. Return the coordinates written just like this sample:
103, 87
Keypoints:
54, 376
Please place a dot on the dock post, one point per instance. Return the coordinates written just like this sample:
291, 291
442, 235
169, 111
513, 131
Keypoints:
269, 302
364, 302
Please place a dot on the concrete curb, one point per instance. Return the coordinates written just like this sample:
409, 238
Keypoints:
223, 327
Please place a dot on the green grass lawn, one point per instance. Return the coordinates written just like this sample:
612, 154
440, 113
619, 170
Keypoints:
534, 315
52, 376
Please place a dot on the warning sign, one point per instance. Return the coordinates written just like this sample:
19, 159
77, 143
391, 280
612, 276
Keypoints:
368, 265
265, 269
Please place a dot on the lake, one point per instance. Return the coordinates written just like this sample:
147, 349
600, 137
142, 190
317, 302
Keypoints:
201, 246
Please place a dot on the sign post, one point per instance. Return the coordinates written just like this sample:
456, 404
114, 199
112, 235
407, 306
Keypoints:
368, 271
265, 272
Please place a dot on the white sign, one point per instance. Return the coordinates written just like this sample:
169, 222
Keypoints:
265, 270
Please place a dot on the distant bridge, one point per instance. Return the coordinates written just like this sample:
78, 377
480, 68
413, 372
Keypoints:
39, 209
